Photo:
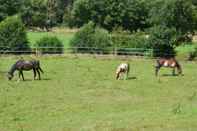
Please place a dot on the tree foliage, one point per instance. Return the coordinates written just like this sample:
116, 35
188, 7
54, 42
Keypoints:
162, 40
13, 34
34, 13
55, 10
9, 7
50, 45
177, 14
131, 15
89, 37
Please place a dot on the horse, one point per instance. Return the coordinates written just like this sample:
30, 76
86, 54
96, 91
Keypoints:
122, 69
25, 65
168, 62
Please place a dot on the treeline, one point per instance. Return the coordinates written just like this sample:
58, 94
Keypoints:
35, 13
165, 23
129, 15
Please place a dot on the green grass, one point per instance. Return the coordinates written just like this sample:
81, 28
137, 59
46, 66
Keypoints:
184, 50
35, 36
81, 94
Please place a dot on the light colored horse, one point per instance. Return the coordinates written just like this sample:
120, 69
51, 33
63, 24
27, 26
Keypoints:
122, 70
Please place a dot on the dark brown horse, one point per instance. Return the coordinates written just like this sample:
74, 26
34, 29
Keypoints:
168, 62
25, 65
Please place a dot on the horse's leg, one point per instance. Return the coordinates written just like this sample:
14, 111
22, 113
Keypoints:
22, 75
34, 70
19, 74
38, 74
173, 71
127, 74
157, 70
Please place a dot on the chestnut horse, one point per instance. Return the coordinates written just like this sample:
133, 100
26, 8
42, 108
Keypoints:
25, 65
122, 69
168, 62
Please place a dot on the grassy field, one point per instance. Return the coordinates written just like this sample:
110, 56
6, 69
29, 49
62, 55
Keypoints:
81, 94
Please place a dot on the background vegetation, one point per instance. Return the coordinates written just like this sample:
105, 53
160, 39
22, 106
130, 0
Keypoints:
166, 24
50, 45
13, 35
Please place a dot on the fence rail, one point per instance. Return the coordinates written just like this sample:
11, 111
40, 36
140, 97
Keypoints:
73, 50
82, 50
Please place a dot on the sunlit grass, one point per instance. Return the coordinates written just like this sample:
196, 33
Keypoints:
81, 94
64, 35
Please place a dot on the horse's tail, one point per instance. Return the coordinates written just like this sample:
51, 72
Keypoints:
38, 62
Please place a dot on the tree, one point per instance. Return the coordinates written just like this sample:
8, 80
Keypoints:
176, 14
34, 13
9, 7
55, 11
162, 40
91, 38
128, 14
13, 35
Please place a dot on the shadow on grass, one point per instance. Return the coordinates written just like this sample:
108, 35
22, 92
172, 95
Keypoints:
132, 78
167, 75
26, 80
175, 75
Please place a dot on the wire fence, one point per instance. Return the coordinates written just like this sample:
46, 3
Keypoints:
82, 50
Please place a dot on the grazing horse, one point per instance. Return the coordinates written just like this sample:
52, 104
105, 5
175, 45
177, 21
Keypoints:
25, 65
122, 69
168, 62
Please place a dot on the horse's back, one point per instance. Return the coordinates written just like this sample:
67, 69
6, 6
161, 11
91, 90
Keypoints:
167, 62
123, 67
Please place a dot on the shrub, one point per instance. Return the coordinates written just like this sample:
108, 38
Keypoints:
163, 41
13, 35
136, 40
50, 45
193, 54
127, 43
91, 38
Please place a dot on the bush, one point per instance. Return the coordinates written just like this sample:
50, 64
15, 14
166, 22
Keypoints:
163, 41
90, 39
136, 40
193, 54
50, 45
124, 41
13, 35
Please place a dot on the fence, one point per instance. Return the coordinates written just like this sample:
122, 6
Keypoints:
85, 50
75, 50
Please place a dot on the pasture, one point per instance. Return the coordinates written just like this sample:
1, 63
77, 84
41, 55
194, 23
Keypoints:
81, 94
65, 35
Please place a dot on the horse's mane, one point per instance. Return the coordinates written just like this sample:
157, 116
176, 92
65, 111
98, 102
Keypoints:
13, 68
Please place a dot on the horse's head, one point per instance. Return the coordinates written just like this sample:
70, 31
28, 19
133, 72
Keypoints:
179, 71
10, 76
117, 75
